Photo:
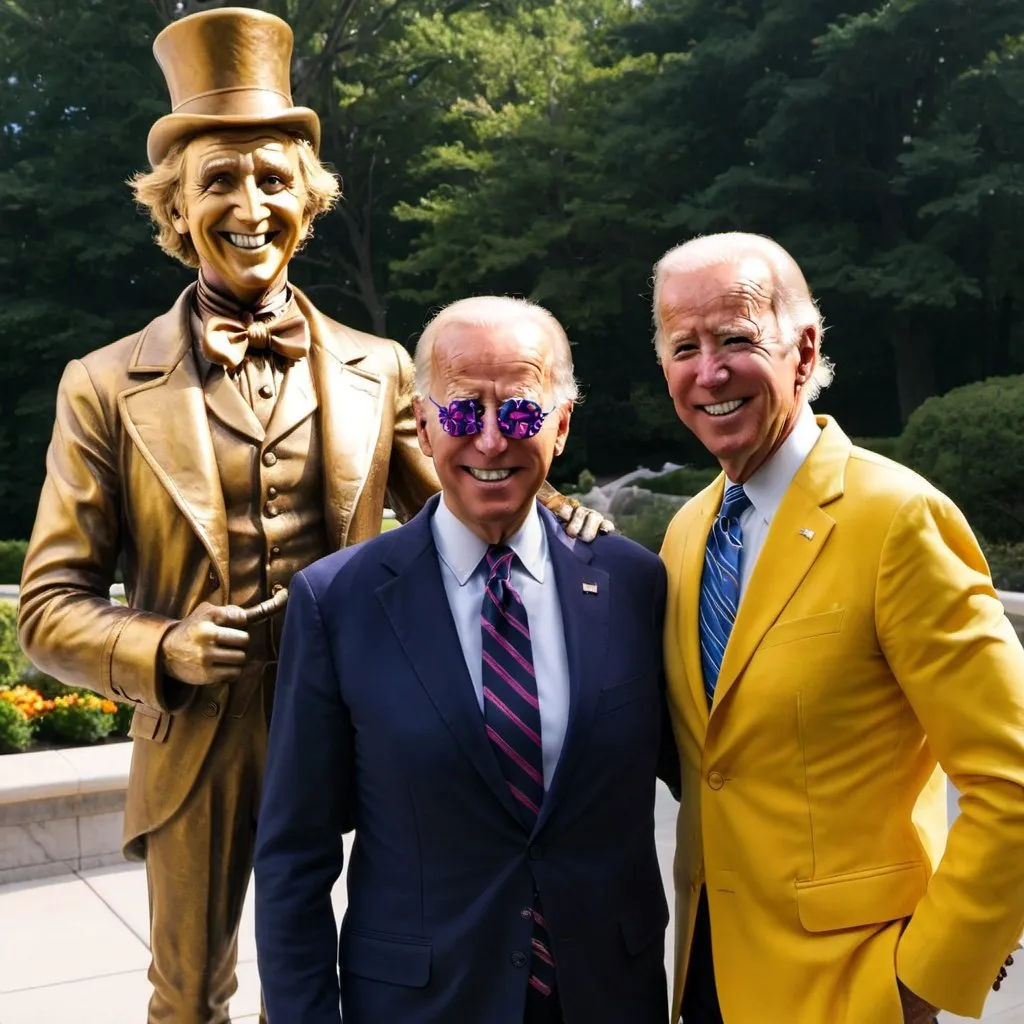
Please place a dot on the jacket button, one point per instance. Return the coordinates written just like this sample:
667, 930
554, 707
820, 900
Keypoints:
269, 459
536, 853
211, 709
715, 780
519, 958
526, 913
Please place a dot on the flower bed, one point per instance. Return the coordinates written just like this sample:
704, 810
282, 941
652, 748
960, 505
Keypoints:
46, 714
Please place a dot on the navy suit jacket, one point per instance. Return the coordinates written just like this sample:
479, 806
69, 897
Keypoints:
376, 725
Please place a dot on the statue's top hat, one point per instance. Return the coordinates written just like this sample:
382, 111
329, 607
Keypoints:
227, 68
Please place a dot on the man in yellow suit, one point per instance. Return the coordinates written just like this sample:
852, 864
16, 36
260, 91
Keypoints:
833, 642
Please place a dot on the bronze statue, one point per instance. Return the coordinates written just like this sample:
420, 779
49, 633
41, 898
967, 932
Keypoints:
231, 442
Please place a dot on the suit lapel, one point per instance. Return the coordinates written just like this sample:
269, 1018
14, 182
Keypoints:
351, 408
689, 606
796, 538
416, 605
296, 402
225, 402
166, 418
586, 626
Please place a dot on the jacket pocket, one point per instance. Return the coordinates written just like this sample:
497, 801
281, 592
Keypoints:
623, 693
393, 959
643, 924
804, 628
861, 898
148, 724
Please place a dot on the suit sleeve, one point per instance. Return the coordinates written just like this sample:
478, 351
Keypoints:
953, 652
305, 804
67, 624
411, 477
668, 754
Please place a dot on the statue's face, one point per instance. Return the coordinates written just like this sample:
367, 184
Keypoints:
244, 200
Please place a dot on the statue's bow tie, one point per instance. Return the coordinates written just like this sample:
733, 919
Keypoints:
226, 340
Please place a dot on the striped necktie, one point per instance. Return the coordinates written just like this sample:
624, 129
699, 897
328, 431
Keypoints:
512, 721
720, 585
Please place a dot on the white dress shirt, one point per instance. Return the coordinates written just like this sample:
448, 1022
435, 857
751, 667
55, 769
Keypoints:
464, 571
768, 485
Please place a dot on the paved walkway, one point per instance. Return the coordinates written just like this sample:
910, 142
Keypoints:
74, 949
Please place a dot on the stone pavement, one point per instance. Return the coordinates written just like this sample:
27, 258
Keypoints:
74, 948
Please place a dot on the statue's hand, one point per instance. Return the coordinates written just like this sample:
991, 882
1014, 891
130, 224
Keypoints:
582, 523
209, 646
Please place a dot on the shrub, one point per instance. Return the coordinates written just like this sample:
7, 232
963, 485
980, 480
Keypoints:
968, 442
79, 718
12, 662
648, 526
585, 481
887, 446
15, 728
685, 482
12, 558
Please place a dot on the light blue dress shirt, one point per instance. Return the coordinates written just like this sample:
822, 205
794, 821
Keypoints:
767, 487
461, 556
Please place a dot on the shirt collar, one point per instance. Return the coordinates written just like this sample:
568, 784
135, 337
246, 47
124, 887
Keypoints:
770, 482
462, 550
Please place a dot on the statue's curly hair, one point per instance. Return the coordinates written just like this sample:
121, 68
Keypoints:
160, 191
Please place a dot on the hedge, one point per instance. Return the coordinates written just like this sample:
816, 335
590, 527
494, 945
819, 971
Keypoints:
12, 558
970, 444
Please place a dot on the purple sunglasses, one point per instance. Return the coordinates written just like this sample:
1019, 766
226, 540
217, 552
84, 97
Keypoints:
517, 417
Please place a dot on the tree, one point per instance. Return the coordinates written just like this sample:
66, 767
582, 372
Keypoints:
77, 266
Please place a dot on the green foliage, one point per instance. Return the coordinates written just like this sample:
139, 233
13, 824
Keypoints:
687, 481
122, 719
12, 662
12, 558
585, 481
15, 729
1006, 563
968, 443
554, 150
77, 719
648, 526
885, 446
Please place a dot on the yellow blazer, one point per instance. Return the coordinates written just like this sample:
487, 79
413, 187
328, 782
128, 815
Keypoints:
869, 649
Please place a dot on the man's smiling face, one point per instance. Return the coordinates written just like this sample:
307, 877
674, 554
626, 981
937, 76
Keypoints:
243, 205
731, 373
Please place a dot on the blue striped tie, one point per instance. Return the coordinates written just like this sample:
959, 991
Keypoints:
512, 721
720, 585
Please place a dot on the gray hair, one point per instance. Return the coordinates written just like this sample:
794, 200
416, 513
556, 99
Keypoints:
492, 311
792, 303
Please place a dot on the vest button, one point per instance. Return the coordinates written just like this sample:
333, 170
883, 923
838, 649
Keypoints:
519, 958
277, 588
275, 550
266, 391
211, 709
269, 510
269, 459
715, 780
212, 575
271, 492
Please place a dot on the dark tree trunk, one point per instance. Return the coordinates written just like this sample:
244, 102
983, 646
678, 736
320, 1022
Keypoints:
914, 357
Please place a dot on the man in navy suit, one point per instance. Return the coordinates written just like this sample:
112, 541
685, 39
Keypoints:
482, 699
